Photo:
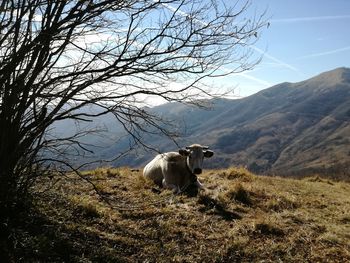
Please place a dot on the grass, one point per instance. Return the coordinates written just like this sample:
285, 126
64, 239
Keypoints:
239, 217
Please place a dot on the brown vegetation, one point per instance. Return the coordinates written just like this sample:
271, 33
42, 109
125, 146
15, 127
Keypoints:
240, 217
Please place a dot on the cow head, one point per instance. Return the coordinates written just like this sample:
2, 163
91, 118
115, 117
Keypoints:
195, 155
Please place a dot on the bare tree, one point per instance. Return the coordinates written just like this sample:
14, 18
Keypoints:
58, 57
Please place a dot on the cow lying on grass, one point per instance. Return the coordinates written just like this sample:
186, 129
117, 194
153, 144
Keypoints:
178, 171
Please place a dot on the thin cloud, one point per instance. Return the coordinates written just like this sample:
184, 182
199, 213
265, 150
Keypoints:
278, 61
326, 53
309, 19
245, 75
263, 82
265, 54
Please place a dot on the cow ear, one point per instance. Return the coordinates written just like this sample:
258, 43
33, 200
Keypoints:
208, 153
184, 152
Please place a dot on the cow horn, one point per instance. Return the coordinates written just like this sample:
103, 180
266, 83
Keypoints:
205, 147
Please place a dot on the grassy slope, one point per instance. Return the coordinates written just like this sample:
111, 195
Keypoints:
239, 218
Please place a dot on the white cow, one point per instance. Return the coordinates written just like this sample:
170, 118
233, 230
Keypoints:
178, 171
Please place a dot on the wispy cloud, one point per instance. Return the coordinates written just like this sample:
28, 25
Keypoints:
247, 76
325, 53
262, 52
308, 19
276, 60
258, 80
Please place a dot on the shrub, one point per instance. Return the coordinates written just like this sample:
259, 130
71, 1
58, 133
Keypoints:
240, 194
239, 173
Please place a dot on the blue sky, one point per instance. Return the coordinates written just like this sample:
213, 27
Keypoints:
304, 39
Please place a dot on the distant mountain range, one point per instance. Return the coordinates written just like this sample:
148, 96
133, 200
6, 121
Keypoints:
290, 128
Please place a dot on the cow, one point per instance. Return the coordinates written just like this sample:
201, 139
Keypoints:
178, 170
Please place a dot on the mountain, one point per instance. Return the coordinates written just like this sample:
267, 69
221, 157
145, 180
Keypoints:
290, 128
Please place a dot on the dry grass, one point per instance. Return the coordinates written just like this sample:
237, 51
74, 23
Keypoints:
240, 217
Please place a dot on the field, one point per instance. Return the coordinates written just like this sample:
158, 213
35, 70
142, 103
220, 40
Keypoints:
116, 215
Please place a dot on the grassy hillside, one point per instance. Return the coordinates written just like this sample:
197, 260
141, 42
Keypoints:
240, 217
288, 129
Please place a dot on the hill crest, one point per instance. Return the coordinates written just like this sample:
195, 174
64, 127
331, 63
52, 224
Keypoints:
290, 128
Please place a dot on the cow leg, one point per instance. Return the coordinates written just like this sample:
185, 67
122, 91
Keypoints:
172, 187
198, 184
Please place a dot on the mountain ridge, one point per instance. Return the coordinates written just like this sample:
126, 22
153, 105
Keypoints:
288, 129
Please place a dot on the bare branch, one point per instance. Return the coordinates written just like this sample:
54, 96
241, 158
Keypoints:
60, 57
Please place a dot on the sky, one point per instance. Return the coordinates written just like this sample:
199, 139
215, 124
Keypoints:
304, 39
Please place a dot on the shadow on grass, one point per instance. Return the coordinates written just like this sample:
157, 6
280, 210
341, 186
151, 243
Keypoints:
43, 240
213, 205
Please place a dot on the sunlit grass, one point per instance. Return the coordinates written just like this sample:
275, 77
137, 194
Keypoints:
238, 217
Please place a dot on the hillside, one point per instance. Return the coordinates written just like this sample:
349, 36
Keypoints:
288, 129
291, 128
240, 217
